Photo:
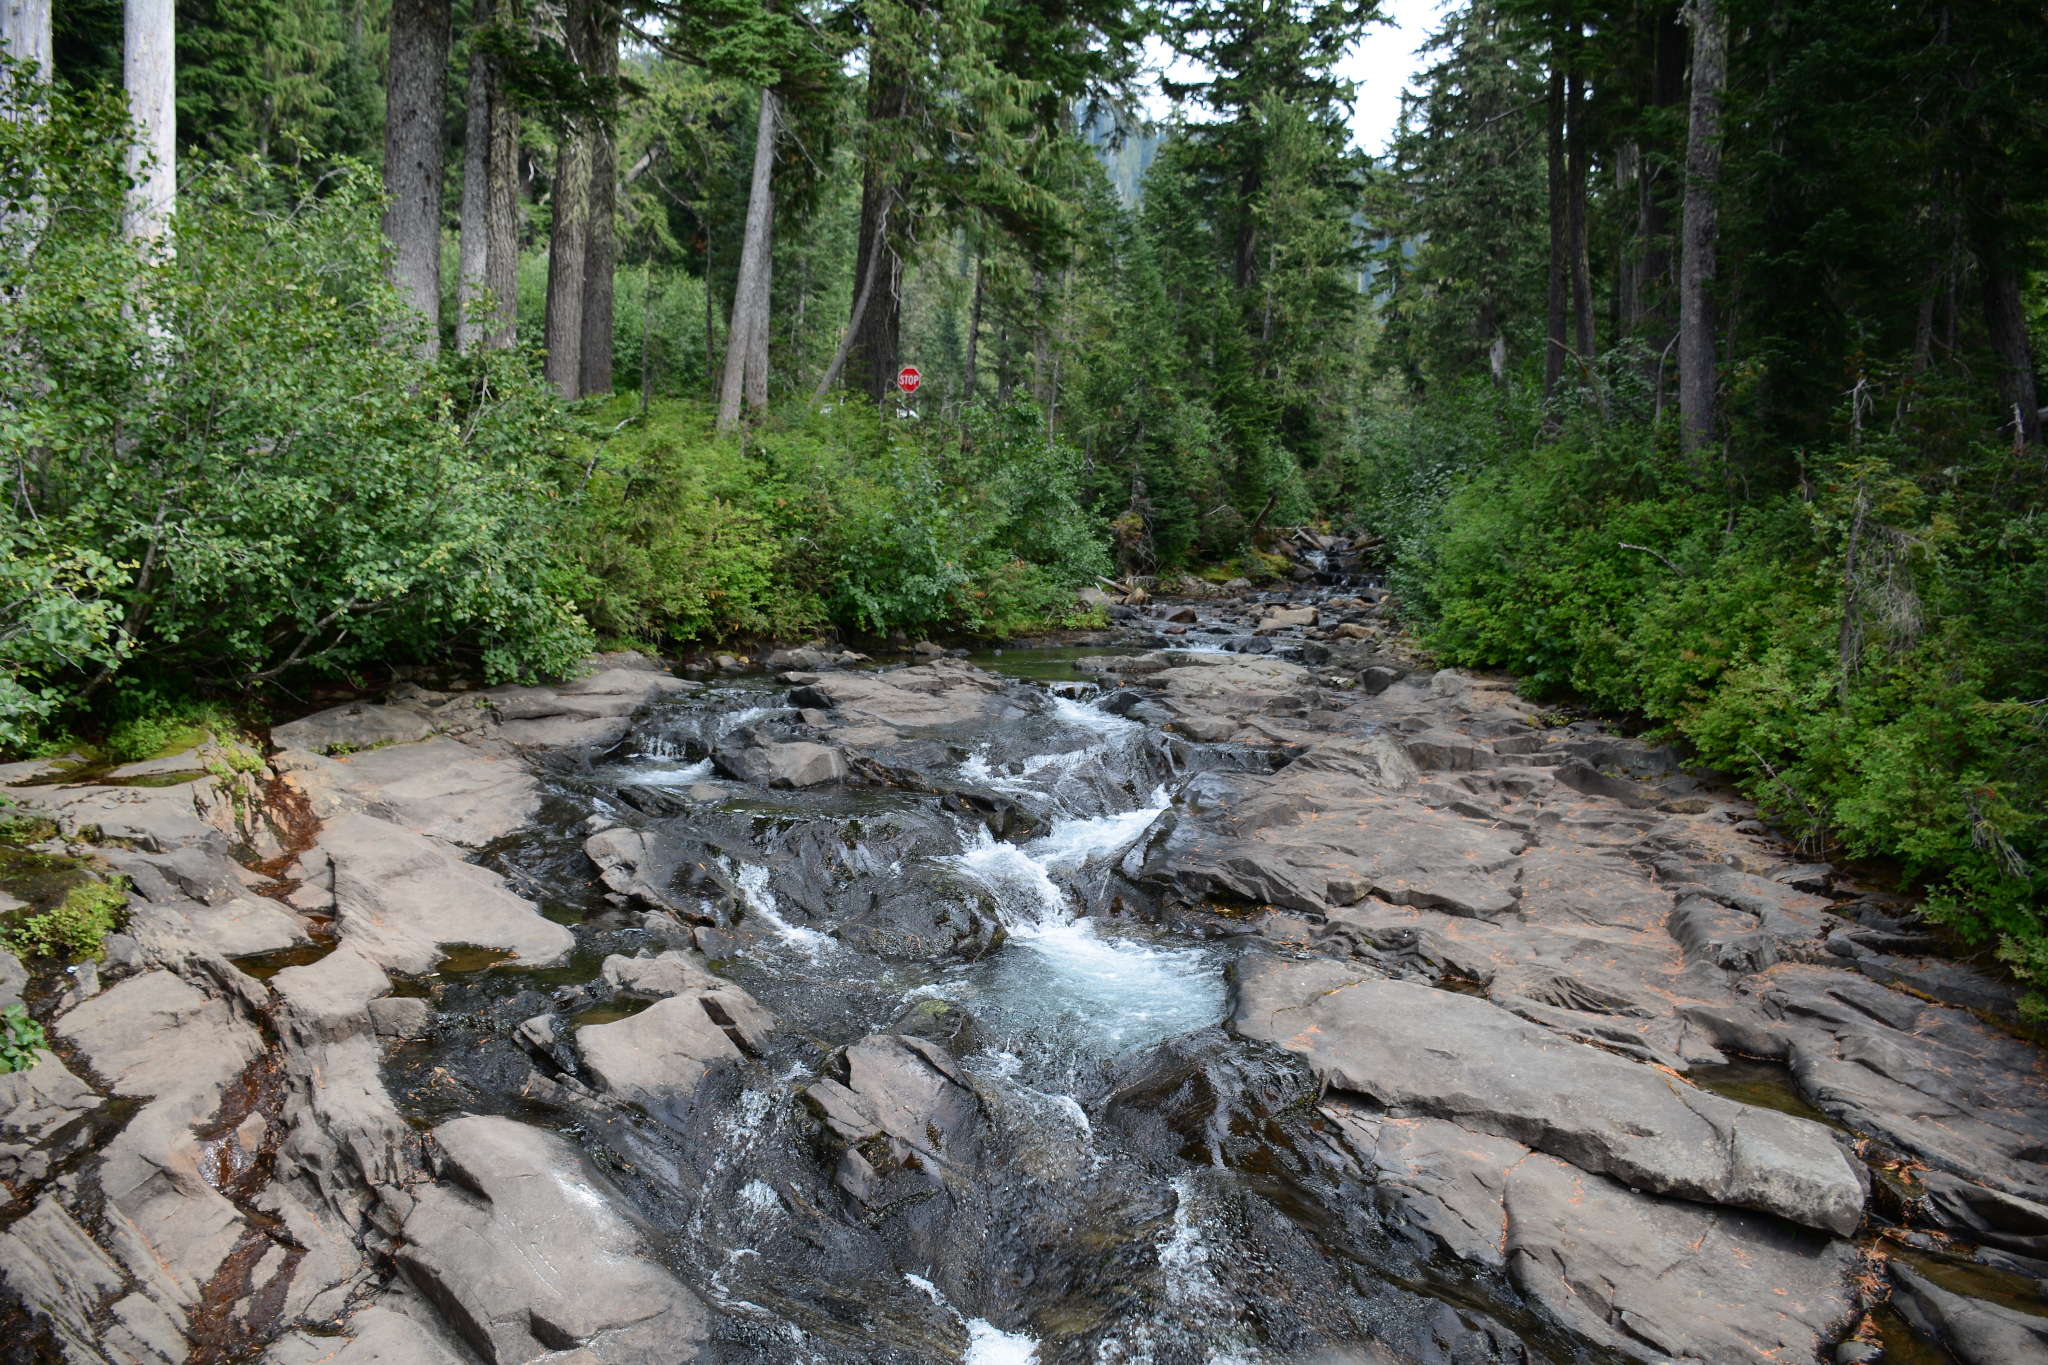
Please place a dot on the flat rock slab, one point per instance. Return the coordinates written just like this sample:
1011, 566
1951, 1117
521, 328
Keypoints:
873, 709
1326, 832
398, 897
1627, 1270
356, 725
156, 1035
246, 926
374, 1336
1980, 1333
441, 787
1424, 1052
525, 1250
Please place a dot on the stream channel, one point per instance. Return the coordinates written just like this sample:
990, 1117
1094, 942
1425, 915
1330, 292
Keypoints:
1136, 1186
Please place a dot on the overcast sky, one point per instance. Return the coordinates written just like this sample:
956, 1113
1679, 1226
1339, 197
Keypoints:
1381, 63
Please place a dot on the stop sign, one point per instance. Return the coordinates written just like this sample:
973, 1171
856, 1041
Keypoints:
907, 379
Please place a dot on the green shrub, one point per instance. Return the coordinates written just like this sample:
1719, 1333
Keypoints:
23, 1042
76, 928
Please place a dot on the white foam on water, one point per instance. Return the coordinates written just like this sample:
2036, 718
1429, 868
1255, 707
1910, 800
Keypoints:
1067, 976
1093, 718
752, 879
700, 771
990, 1345
927, 1288
760, 1196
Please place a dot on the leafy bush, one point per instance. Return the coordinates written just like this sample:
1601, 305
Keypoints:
229, 462
1863, 650
76, 928
23, 1042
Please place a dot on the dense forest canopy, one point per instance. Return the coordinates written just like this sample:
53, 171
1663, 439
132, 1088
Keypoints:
1682, 357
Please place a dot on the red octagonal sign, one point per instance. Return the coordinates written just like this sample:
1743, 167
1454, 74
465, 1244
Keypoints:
907, 379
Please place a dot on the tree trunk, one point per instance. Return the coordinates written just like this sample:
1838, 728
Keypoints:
1653, 221
415, 98
2005, 319
501, 258
472, 278
1696, 263
746, 341
148, 72
876, 341
601, 247
876, 344
25, 33
1628, 296
873, 266
974, 323
569, 241
1580, 149
1560, 252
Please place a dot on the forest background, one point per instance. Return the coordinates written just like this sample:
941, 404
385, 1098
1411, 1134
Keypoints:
1682, 357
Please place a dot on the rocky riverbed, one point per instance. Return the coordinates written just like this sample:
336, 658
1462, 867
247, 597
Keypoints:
1228, 989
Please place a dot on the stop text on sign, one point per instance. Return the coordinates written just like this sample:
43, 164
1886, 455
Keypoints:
907, 379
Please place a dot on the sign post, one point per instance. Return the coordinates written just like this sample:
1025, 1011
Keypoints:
908, 378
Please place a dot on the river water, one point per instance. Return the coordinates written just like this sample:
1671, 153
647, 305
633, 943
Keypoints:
1143, 1189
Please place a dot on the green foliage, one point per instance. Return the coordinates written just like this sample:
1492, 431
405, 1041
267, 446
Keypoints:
76, 928
23, 1042
227, 461
836, 516
1595, 565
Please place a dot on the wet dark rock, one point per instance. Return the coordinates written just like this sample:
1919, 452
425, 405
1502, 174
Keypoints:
1978, 1332
526, 1250
747, 755
1990, 1217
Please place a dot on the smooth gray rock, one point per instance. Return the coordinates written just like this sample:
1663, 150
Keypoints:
196, 872
374, 1336
1424, 1052
13, 976
658, 1057
53, 1268
398, 897
1622, 1268
37, 1102
356, 725
747, 756
246, 926
441, 788
1988, 1217
158, 1037
329, 1001
1979, 1332
525, 1250
901, 1107
402, 1017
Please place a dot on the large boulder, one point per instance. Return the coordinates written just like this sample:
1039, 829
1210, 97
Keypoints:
526, 1250
594, 710
659, 1057
899, 1106
748, 756
1419, 1051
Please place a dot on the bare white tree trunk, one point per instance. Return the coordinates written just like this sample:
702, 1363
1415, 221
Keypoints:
148, 71
25, 32
472, 273
746, 343
1698, 231
416, 90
